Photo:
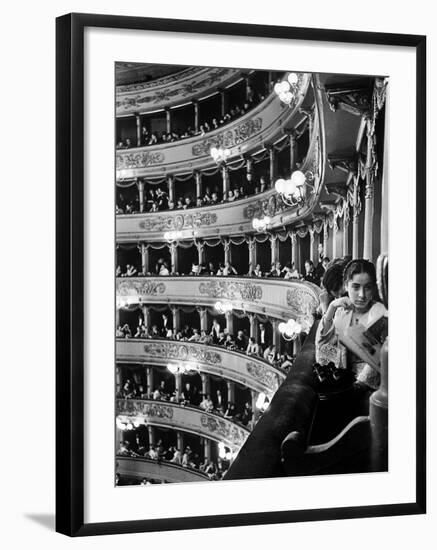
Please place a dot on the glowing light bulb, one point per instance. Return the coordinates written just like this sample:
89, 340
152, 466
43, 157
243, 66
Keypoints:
280, 185
293, 79
298, 178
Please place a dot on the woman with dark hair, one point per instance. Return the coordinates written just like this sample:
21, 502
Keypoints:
332, 284
357, 307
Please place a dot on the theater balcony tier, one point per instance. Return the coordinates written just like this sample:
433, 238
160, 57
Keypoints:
230, 218
251, 372
166, 414
173, 90
247, 134
277, 298
140, 468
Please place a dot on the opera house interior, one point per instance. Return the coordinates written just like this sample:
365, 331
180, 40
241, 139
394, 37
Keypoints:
251, 274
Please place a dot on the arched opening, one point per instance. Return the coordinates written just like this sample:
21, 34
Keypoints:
240, 257
159, 257
187, 256
128, 257
214, 254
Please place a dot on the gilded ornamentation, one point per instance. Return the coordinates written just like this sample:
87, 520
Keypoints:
178, 221
229, 138
221, 427
161, 95
157, 82
231, 290
263, 374
182, 352
302, 301
134, 407
140, 288
265, 207
128, 160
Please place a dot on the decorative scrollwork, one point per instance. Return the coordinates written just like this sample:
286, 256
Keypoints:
133, 407
140, 288
129, 160
231, 290
155, 83
169, 89
178, 221
265, 207
263, 374
235, 435
302, 301
229, 138
182, 352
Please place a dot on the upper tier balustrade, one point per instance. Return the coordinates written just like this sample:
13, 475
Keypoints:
230, 218
173, 90
188, 419
263, 124
140, 468
252, 372
278, 298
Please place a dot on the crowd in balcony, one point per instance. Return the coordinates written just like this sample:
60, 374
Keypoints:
157, 200
186, 457
260, 347
190, 396
253, 98
313, 274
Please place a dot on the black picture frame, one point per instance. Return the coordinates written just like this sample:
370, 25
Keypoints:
70, 273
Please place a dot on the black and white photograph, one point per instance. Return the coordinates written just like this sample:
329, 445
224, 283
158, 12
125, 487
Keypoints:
251, 285
218, 294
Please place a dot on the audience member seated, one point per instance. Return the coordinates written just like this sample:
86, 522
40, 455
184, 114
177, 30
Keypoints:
141, 332
285, 362
195, 337
205, 338
221, 270
276, 270
163, 270
207, 404
241, 341
253, 348
125, 329
157, 200
310, 276
332, 284
247, 414
255, 272
230, 196
214, 198
290, 272
229, 342
131, 271
357, 308
187, 203
230, 411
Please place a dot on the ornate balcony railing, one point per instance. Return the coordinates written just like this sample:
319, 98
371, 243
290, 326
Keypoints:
262, 124
173, 90
252, 372
139, 468
277, 298
227, 219
166, 414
